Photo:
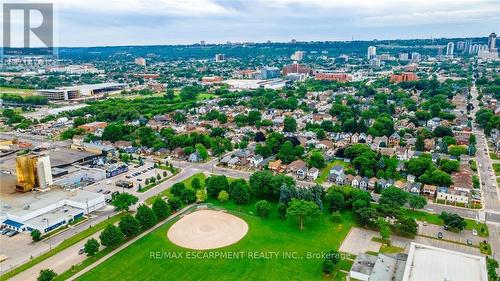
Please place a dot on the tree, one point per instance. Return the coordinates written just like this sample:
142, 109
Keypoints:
215, 184
406, 227
36, 235
161, 209
174, 203
282, 210
188, 195
202, 150
195, 183
223, 196
317, 160
441, 131
91, 247
289, 124
129, 226
177, 188
417, 201
46, 275
366, 216
302, 210
145, 216
453, 221
201, 195
287, 153
335, 200
111, 236
457, 150
384, 228
263, 208
393, 197
123, 201
239, 192
327, 266
450, 166
419, 143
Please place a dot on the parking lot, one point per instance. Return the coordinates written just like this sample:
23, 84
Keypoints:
463, 237
136, 174
359, 240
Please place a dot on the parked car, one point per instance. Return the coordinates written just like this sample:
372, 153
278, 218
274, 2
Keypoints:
424, 223
446, 227
4, 231
12, 233
440, 235
469, 242
99, 190
115, 193
107, 192
81, 251
139, 179
474, 232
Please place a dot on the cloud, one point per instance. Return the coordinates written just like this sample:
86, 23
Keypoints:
122, 22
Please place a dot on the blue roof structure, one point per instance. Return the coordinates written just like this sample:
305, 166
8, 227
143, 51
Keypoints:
13, 223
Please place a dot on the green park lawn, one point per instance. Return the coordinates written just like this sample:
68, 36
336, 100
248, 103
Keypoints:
22, 92
496, 168
269, 234
187, 183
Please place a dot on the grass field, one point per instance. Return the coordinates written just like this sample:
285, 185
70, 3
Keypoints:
265, 235
187, 183
22, 92
434, 219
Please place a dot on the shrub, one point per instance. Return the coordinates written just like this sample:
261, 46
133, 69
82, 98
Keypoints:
263, 208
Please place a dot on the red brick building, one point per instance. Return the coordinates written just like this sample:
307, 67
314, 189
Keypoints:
296, 68
339, 77
403, 77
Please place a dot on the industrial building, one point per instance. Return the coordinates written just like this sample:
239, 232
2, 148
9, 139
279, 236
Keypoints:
421, 263
80, 91
33, 171
44, 211
432, 263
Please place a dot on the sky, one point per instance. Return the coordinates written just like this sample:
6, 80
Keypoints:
157, 22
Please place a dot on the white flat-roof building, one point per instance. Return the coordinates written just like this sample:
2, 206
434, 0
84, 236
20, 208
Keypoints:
48, 210
426, 263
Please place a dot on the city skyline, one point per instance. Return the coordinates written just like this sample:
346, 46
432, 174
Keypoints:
170, 22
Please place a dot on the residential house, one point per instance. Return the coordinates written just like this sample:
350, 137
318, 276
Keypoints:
394, 139
429, 191
275, 166
372, 183
195, 157
348, 179
324, 144
451, 195
313, 173
355, 181
363, 183
256, 160
178, 153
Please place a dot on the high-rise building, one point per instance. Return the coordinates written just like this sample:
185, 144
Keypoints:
372, 52
140, 61
404, 56
492, 41
449, 49
297, 56
220, 58
202, 42
33, 171
460, 45
270, 72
